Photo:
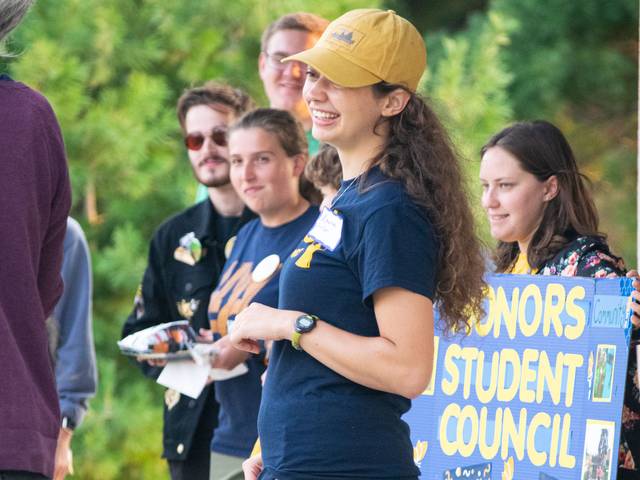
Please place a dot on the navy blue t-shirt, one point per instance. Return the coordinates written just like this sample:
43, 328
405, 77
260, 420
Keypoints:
313, 422
244, 280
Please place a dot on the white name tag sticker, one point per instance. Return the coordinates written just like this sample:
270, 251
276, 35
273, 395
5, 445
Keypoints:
327, 230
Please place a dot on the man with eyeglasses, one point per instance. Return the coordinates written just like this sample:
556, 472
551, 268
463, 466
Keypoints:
283, 82
185, 259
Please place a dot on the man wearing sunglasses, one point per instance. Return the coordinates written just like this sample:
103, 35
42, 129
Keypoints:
282, 82
185, 259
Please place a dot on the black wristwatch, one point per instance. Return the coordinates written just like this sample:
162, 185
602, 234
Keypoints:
304, 324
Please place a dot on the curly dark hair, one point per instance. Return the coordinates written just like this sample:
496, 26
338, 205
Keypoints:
420, 153
324, 167
542, 150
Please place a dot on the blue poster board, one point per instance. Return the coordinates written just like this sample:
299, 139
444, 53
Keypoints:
535, 391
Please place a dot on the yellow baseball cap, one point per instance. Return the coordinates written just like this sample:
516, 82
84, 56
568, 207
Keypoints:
366, 46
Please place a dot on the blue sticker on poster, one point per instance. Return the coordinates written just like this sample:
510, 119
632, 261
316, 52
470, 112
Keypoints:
534, 391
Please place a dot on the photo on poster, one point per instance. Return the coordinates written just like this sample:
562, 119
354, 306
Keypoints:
604, 372
598, 450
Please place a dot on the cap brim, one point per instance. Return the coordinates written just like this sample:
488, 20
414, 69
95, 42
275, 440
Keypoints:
336, 68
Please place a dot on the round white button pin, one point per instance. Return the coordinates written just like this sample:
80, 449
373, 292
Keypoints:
265, 268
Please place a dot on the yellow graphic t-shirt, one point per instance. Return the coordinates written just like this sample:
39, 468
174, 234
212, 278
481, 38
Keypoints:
521, 266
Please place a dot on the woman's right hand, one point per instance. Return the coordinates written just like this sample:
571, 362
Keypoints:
252, 467
260, 322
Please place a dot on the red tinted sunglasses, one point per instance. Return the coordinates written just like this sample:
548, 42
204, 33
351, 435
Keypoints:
194, 141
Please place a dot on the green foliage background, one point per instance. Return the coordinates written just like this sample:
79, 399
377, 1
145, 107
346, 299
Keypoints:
113, 70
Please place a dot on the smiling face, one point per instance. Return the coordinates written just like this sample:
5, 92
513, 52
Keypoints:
209, 163
342, 117
283, 81
262, 174
513, 198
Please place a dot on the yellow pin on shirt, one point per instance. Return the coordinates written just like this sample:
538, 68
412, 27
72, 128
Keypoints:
228, 248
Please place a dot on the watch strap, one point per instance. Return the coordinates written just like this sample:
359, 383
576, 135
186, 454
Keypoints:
295, 340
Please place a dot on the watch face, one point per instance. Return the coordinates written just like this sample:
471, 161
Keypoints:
305, 323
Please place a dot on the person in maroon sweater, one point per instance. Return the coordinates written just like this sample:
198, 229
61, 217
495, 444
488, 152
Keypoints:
35, 198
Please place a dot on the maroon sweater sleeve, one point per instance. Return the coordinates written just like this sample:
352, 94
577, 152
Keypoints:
34, 204
49, 270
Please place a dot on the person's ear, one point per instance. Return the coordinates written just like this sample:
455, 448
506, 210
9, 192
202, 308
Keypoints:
299, 162
551, 188
262, 60
395, 102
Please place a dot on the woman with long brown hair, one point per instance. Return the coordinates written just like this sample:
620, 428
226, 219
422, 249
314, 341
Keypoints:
354, 332
538, 203
542, 214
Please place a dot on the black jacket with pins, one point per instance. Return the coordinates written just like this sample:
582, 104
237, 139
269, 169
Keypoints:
168, 283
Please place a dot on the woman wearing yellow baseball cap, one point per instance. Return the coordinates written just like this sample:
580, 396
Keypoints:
353, 335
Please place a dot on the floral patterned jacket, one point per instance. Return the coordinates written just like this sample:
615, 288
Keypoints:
589, 256
586, 256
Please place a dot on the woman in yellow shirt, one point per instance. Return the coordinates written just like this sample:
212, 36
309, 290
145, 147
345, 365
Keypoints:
542, 214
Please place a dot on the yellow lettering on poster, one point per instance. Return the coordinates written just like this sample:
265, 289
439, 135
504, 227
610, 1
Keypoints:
468, 354
528, 375
452, 411
506, 393
572, 361
553, 307
502, 310
530, 328
486, 395
489, 450
512, 434
469, 414
555, 440
449, 387
540, 419
552, 379
565, 459
573, 332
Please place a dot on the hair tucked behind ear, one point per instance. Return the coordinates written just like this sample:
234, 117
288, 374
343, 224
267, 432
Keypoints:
420, 154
